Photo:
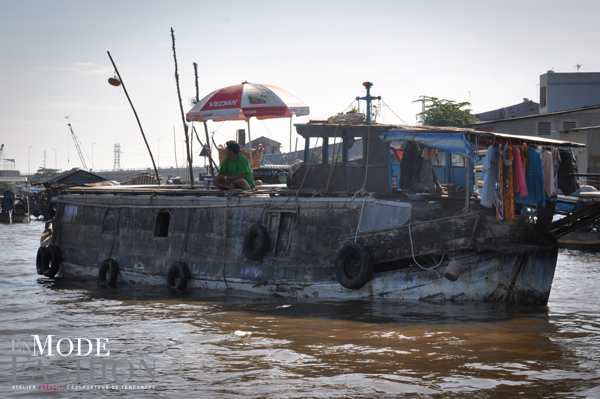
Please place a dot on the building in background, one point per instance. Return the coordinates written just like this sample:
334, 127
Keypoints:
562, 91
569, 109
270, 146
527, 107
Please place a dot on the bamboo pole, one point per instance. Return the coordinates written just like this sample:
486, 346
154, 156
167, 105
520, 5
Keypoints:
185, 126
212, 169
136, 116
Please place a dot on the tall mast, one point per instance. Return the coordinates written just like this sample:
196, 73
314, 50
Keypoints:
368, 98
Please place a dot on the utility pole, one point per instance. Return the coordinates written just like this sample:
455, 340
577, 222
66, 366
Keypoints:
117, 157
29, 160
158, 153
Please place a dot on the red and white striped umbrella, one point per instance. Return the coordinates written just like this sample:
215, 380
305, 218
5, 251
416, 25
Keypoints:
247, 100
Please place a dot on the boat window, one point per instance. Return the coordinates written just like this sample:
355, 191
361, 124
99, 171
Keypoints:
315, 150
396, 151
354, 150
111, 221
439, 158
336, 150
161, 225
458, 160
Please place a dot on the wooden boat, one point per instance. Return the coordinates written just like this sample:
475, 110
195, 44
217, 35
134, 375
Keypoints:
19, 204
585, 236
339, 230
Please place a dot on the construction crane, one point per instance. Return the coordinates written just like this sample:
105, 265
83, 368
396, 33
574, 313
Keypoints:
78, 147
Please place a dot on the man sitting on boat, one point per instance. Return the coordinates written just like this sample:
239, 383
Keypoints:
235, 172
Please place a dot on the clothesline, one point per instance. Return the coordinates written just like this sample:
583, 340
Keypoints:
527, 177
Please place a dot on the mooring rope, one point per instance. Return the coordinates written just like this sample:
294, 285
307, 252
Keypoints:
226, 213
362, 190
412, 250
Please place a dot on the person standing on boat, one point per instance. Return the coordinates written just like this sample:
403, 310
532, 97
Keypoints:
8, 203
235, 172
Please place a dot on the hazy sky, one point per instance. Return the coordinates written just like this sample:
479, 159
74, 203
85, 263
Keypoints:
54, 63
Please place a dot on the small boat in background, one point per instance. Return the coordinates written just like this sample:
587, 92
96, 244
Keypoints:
14, 208
587, 237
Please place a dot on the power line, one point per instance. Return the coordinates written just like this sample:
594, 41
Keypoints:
384, 103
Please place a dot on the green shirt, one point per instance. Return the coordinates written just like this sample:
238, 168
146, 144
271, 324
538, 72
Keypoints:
239, 166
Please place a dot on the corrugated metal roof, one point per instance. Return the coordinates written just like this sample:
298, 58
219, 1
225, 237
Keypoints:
13, 179
579, 128
538, 115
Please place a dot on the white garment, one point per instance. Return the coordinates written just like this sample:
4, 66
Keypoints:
490, 177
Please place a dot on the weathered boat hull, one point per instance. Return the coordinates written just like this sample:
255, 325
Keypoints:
515, 278
207, 234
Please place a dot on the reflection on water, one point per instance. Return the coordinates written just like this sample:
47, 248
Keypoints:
207, 344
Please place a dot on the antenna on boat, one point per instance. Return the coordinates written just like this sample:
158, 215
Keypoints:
368, 98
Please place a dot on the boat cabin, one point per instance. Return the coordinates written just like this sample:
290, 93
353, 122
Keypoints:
346, 158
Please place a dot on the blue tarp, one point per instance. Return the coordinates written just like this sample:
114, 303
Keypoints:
449, 142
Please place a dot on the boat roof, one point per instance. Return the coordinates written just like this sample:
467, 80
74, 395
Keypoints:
73, 176
325, 128
473, 132
436, 137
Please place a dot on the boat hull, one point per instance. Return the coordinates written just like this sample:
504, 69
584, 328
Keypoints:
16, 218
514, 278
208, 235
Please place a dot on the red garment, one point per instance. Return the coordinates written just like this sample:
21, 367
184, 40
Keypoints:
519, 184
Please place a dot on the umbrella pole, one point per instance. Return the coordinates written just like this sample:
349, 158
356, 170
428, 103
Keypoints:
250, 146
212, 170
290, 137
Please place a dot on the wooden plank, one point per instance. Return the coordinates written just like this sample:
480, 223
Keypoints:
576, 220
507, 248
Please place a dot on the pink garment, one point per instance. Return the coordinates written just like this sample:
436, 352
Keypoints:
519, 184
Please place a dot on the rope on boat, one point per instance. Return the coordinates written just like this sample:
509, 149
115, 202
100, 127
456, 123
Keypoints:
225, 240
362, 190
186, 237
296, 193
333, 160
412, 250
112, 244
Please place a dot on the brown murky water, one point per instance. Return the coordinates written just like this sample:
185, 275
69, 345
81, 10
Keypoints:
216, 345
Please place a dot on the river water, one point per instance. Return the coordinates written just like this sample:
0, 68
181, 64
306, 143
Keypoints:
149, 342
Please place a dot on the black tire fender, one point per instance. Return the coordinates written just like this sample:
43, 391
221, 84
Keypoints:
51, 260
353, 266
38, 260
178, 276
256, 242
108, 273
